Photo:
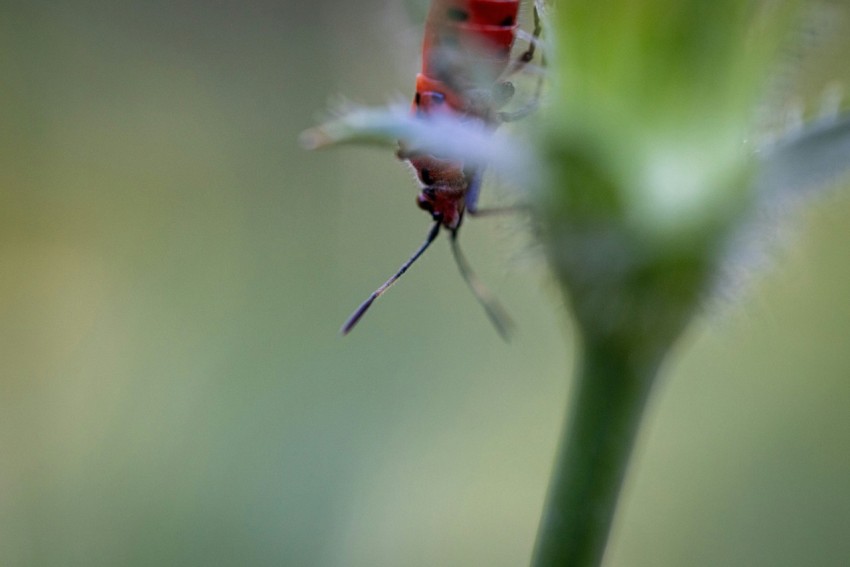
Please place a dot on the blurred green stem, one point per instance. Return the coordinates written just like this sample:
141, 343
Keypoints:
600, 430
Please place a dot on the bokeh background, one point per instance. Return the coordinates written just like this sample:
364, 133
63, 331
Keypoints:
174, 269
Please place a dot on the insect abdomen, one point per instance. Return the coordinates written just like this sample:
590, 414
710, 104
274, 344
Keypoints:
478, 33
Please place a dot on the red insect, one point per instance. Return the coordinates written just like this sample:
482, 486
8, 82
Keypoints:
465, 57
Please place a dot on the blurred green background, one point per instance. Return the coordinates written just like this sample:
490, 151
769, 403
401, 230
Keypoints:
174, 269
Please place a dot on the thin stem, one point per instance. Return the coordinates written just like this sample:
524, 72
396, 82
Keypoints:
600, 430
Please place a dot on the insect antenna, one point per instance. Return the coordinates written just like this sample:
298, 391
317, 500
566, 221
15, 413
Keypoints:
497, 314
358, 313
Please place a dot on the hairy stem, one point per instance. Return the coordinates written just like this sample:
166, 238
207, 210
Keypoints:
600, 431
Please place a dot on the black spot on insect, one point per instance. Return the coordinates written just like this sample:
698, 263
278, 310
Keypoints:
457, 15
425, 176
417, 99
507, 22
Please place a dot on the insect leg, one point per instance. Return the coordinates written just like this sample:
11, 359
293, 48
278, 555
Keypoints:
471, 200
473, 192
497, 314
358, 313
522, 61
527, 55
526, 109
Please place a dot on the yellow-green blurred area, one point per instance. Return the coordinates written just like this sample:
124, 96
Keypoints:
174, 269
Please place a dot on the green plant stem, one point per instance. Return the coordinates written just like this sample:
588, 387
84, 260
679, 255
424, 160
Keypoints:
600, 430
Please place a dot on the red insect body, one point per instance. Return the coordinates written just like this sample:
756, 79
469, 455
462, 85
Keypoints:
481, 33
486, 26
466, 49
